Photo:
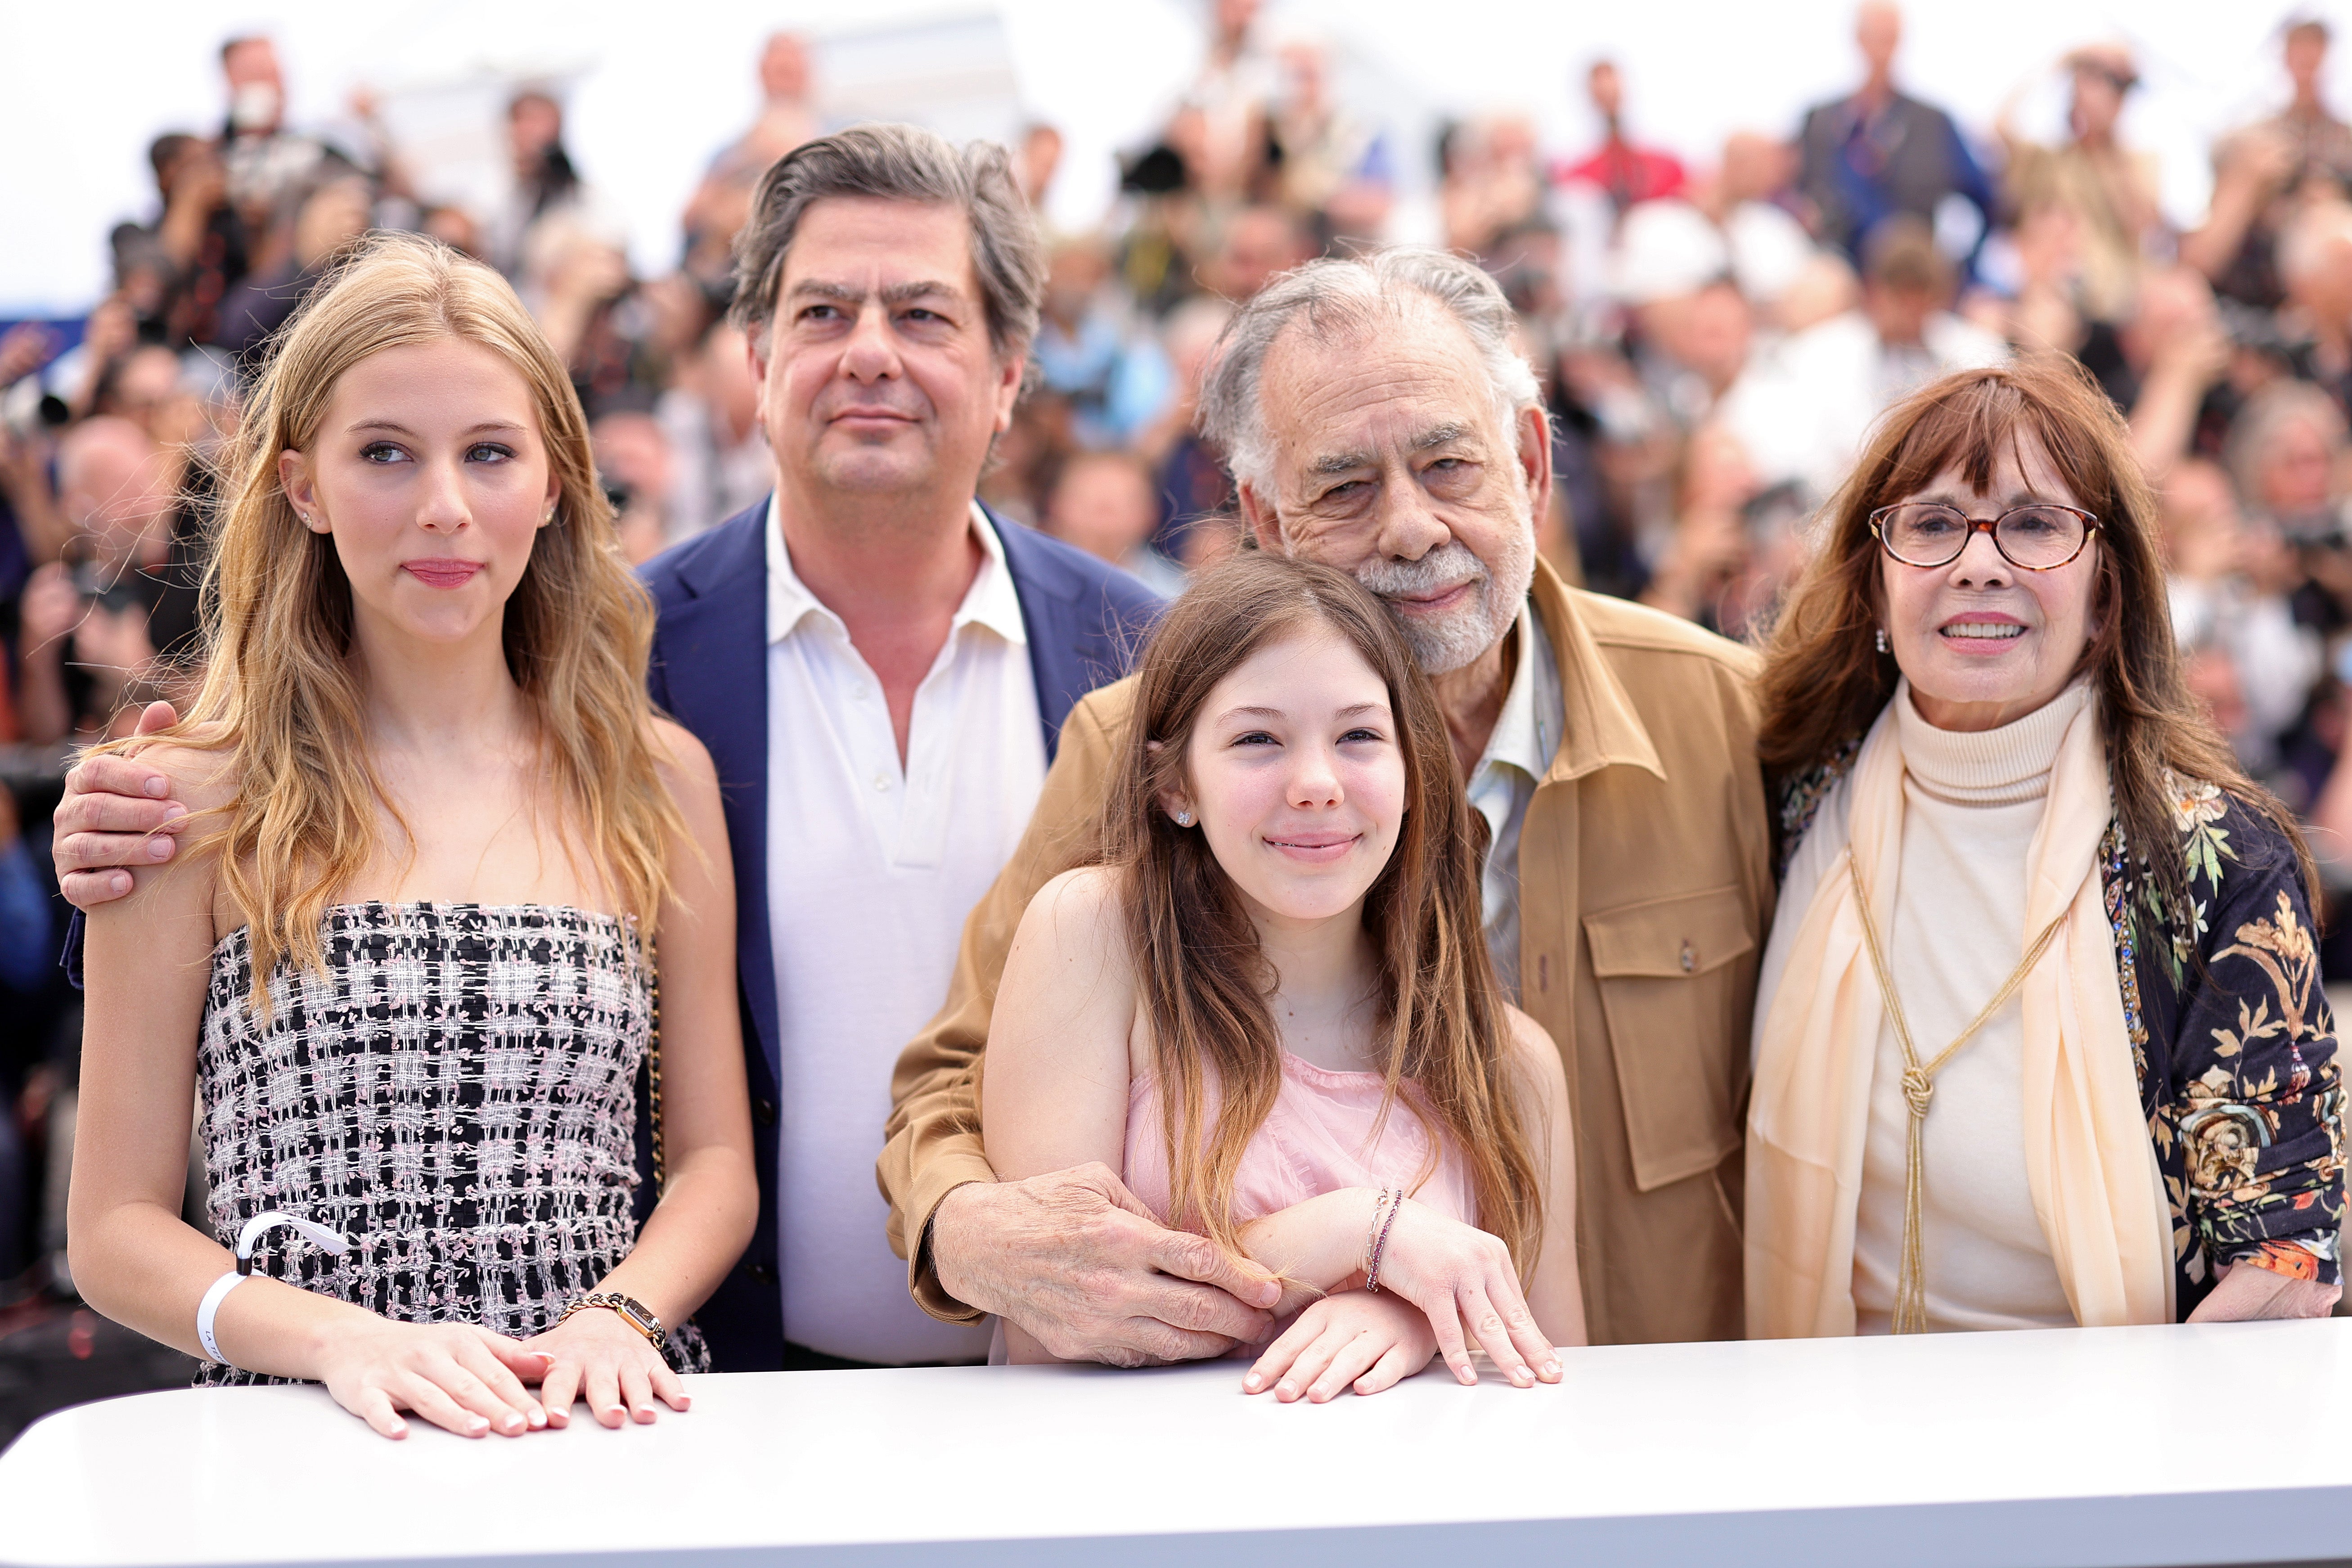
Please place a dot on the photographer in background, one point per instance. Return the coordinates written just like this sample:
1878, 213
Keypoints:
2264, 174
85, 633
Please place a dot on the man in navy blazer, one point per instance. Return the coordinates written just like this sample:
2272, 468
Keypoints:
880, 668
709, 672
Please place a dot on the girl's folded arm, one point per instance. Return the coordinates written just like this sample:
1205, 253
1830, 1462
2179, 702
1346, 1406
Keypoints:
1317, 1246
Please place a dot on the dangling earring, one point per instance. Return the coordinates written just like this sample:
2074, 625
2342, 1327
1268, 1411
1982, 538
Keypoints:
1184, 818
1882, 639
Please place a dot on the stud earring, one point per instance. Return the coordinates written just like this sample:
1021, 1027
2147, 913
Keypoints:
1882, 639
1183, 819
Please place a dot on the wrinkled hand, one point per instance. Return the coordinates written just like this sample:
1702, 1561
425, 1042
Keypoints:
117, 813
597, 1357
1352, 1338
2243, 1293
458, 1376
1078, 1263
1462, 1279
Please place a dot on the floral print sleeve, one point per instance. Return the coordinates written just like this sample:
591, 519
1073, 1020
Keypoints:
2244, 1095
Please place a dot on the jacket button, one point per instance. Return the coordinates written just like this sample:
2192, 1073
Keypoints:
1689, 956
762, 1273
764, 1112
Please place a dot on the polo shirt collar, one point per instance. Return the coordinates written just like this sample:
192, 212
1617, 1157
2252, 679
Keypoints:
990, 602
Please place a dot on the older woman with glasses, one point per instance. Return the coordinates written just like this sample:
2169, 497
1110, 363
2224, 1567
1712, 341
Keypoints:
2039, 1038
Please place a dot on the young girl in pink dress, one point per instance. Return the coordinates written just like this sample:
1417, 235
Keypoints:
1269, 1006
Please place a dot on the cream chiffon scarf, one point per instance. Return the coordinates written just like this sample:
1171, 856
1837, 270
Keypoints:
2089, 1163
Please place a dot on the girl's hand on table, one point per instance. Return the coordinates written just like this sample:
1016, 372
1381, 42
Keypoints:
1354, 1338
458, 1376
1463, 1278
596, 1356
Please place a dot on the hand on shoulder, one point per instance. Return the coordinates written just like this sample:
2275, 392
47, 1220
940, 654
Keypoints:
120, 816
200, 783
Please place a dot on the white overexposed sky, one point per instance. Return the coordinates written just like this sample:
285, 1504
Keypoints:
656, 85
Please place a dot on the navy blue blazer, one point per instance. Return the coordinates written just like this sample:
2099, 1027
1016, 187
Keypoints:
709, 671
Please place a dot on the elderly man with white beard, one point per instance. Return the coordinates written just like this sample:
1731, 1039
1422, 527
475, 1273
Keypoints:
1379, 421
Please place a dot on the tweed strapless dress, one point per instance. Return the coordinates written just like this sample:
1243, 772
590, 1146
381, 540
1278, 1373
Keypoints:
455, 1091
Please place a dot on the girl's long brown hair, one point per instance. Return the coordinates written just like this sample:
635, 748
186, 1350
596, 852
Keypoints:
281, 695
1824, 683
1204, 982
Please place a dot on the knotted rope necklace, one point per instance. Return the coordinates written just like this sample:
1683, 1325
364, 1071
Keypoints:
1919, 1090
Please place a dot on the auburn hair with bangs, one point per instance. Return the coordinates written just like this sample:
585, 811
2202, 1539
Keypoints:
1201, 979
1824, 683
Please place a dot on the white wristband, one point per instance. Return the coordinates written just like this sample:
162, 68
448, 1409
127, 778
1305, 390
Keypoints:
210, 1305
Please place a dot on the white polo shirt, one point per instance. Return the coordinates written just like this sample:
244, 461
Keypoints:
1517, 756
872, 867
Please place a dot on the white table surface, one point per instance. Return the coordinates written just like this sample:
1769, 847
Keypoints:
2163, 1445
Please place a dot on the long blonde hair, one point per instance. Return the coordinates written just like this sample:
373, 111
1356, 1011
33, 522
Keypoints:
280, 693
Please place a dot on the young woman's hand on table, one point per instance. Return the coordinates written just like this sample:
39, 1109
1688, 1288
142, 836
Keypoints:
595, 1356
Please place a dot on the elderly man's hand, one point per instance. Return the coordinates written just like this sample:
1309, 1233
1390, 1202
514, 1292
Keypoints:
117, 813
1076, 1261
2243, 1293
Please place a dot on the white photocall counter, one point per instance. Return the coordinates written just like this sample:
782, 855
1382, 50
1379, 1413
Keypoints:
2165, 1446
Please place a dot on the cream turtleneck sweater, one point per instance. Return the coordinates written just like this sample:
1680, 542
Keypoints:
1972, 804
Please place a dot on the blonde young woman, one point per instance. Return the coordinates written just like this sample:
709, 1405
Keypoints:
408, 967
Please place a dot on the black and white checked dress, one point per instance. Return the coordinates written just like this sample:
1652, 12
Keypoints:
455, 1091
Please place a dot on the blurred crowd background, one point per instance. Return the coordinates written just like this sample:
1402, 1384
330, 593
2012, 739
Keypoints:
1716, 334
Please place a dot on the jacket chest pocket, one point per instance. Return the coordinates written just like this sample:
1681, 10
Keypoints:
1677, 977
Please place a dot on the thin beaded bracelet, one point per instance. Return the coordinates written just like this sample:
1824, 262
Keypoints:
1372, 1276
1372, 1230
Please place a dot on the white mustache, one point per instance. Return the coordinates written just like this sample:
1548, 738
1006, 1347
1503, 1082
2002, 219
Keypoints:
1450, 565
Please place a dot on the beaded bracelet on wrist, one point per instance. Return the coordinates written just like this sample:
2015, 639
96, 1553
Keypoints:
1372, 1275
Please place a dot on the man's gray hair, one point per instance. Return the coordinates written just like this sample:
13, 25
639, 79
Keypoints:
1350, 295
904, 164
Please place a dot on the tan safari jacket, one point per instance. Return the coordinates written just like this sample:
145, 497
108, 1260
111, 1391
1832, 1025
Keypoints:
1645, 890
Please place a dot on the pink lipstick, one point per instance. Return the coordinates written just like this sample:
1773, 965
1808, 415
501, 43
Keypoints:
442, 571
